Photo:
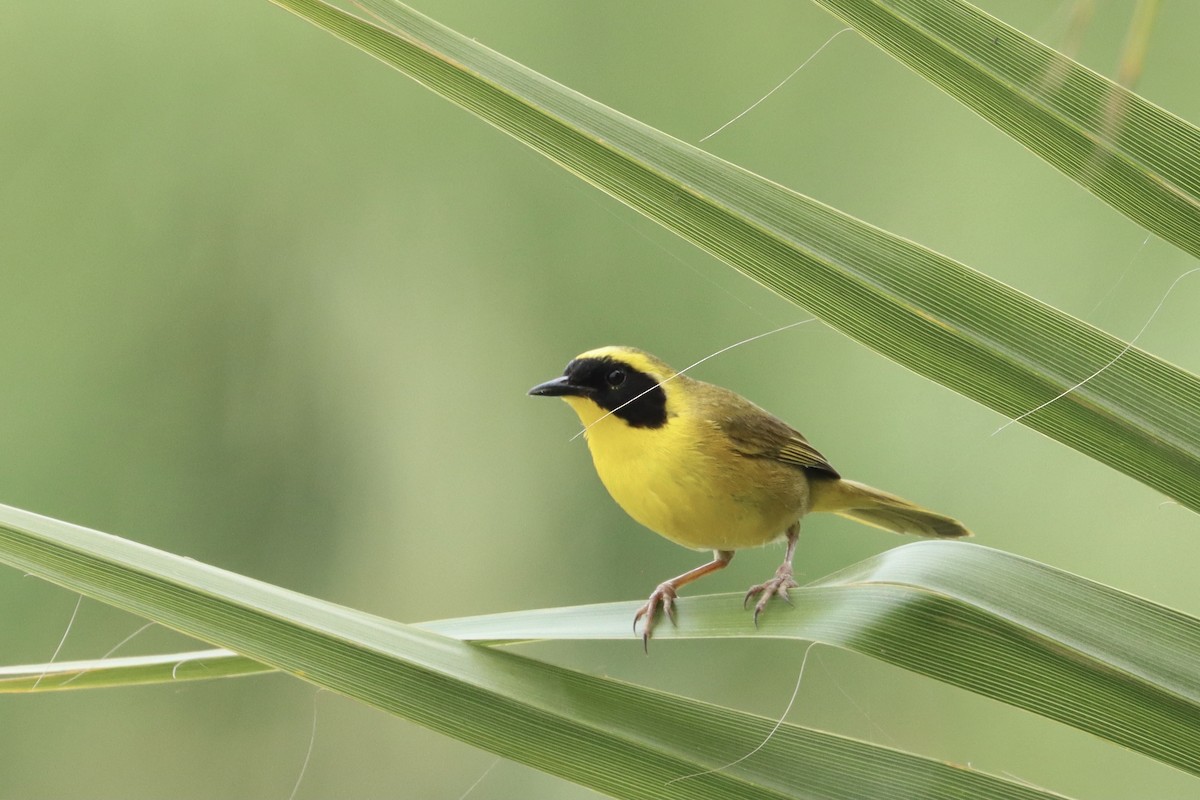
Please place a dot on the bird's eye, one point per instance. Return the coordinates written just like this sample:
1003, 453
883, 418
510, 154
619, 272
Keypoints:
616, 378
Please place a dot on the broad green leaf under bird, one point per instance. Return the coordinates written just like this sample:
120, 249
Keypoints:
616, 738
1103, 661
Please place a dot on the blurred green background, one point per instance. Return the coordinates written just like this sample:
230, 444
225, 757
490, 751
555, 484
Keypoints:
269, 304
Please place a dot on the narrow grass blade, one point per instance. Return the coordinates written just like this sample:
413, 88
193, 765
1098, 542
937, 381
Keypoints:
107, 673
937, 317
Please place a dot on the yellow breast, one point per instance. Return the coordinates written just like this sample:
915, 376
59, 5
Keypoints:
683, 482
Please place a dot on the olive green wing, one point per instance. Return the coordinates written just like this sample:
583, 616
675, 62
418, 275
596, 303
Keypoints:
756, 434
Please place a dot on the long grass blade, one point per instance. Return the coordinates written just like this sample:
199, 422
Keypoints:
1114, 665
107, 673
941, 319
616, 738
1141, 159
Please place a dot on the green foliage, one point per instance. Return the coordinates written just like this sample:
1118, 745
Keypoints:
940, 318
1024, 633
1005, 627
1128, 151
620, 739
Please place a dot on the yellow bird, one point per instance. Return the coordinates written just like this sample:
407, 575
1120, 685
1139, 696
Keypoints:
708, 469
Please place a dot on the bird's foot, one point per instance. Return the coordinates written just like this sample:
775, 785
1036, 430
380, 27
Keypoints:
777, 586
664, 597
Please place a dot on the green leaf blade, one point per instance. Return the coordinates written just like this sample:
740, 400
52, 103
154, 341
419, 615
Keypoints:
1087, 655
1137, 157
1105, 662
1111, 401
616, 738
107, 673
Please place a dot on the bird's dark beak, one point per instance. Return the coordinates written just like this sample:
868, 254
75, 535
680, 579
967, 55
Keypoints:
559, 387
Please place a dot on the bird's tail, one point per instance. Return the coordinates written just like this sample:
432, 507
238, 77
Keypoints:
879, 509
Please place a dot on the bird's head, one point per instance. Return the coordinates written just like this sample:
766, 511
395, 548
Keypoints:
622, 381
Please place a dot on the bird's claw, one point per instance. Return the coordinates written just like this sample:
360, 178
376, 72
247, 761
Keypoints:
664, 597
776, 587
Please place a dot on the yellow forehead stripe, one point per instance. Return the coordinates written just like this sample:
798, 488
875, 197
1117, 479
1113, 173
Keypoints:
638, 359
